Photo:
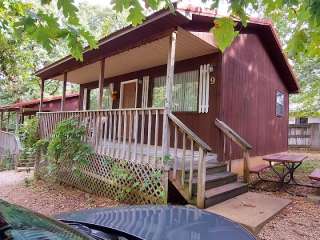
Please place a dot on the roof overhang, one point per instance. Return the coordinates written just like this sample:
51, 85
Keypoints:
154, 32
152, 54
268, 36
122, 40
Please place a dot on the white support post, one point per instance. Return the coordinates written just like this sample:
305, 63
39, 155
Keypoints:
64, 88
168, 94
41, 95
101, 83
85, 99
1, 121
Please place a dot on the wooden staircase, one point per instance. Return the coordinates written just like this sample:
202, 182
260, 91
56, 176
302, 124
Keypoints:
197, 175
25, 164
220, 185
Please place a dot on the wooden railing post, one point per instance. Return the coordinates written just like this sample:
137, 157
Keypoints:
245, 166
243, 144
201, 186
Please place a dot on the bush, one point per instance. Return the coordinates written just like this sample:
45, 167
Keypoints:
66, 145
6, 162
29, 136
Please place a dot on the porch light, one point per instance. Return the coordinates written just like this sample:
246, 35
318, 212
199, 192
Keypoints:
114, 95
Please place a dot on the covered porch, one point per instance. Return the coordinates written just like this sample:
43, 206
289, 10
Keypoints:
127, 100
128, 97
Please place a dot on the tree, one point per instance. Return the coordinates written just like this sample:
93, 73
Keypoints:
307, 68
21, 56
298, 22
46, 28
307, 103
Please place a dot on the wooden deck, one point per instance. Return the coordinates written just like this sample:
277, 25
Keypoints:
145, 153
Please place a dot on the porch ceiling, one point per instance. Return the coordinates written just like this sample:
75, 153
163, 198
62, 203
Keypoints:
189, 45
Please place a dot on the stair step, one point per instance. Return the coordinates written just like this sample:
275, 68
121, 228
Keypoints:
211, 168
20, 169
215, 180
25, 164
219, 194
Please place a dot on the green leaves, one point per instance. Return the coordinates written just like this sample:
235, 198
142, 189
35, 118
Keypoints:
297, 44
136, 10
136, 15
69, 11
46, 27
66, 143
224, 32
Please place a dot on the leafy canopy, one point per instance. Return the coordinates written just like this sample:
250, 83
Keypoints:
21, 56
20, 18
304, 17
45, 27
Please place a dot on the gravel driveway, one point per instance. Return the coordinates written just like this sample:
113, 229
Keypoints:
11, 178
299, 221
46, 198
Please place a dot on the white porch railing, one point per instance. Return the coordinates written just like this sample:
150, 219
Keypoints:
131, 134
9, 145
136, 135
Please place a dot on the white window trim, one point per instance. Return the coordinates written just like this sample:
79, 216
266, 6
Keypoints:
121, 91
204, 85
145, 91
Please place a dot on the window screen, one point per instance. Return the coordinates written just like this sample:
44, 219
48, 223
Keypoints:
279, 104
185, 91
106, 100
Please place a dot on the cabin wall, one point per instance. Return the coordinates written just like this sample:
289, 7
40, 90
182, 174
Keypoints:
248, 103
200, 123
71, 104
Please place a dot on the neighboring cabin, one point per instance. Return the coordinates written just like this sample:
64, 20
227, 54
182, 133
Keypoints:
171, 64
13, 114
304, 133
304, 120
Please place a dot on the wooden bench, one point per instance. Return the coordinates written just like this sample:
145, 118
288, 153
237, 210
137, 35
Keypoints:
315, 175
258, 169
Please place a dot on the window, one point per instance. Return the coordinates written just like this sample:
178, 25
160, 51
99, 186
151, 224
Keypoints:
302, 120
106, 100
279, 104
185, 91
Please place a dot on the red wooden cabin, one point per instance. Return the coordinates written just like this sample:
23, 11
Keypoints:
28, 108
163, 88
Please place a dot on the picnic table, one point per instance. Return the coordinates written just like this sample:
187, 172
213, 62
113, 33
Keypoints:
290, 163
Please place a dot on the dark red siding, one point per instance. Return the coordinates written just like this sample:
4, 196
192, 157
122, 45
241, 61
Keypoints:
71, 104
201, 123
249, 85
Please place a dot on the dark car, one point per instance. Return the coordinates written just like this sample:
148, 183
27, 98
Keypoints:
136, 222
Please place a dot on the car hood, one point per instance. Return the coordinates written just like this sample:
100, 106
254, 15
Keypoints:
162, 222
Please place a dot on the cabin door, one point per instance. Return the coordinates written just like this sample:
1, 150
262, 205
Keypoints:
128, 94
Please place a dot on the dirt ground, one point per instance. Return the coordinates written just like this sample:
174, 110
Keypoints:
48, 199
299, 221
